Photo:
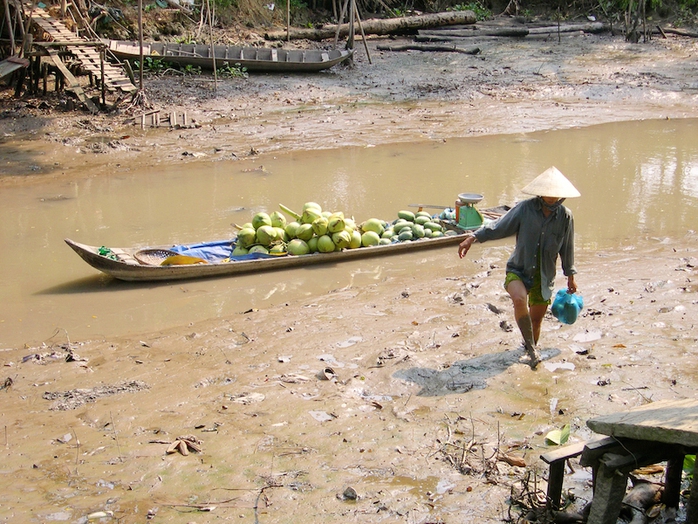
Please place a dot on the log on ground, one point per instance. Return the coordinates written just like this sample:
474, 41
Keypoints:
517, 31
391, 26
430, 47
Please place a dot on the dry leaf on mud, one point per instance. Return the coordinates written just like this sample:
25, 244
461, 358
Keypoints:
512, 460
184, 445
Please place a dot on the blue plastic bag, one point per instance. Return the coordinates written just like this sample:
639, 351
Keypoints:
566, 306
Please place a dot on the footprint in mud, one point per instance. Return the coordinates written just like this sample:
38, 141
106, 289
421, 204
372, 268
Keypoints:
465, 375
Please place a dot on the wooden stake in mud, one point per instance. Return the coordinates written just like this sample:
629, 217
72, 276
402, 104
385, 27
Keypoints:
350, 38
363, 36
103, 83
340, 21
140, 42
209, 4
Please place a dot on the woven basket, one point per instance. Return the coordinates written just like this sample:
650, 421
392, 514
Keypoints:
153, 257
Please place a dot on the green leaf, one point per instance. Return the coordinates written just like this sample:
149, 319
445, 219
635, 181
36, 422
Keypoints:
689, 464
559, 437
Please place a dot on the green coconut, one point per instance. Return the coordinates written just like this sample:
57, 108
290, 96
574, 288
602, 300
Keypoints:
261, 219
310, 215
258, 249
313, 205
239, 251
305, 232
355, 239
266, 235
336, 223
325, 244
291, 229
312, 244
278, 219
298, 247
320, 226
246, 237
370, 238
341, 239
373, 224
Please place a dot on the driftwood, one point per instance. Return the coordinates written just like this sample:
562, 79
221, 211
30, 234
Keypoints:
378, 27
428, 47
595, 27
680, 32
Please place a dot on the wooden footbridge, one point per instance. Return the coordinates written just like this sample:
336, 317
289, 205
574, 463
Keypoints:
57, 39
86, 52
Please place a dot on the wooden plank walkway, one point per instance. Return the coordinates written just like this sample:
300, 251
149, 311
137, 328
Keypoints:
12, 64
114, 78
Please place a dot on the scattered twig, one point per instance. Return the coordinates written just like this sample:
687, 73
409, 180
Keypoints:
77, 448
116, 437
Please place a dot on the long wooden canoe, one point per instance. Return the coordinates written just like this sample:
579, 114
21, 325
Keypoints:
262, 59
144, 264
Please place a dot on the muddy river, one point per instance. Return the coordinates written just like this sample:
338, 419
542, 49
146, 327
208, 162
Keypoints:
638, 180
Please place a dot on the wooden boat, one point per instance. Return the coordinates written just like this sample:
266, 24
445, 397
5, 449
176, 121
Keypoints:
144, 264
262, 59
215, 259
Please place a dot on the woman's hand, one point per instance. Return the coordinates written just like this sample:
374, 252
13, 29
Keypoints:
571, 285
465, 244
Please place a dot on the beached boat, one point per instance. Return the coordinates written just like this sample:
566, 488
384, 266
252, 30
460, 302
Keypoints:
146, 264
262, 59
216, 259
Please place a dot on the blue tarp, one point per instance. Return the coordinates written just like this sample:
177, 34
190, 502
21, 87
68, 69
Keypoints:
214, 251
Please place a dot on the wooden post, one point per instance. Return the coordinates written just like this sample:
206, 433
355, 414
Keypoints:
363, 36
350, 38
10, 29
340, 21
213, 48
104, 84
140, 41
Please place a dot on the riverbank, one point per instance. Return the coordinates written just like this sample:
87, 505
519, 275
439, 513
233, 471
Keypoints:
512, 86
401, 401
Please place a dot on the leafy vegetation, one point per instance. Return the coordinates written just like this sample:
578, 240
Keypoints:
232, 71
481, 12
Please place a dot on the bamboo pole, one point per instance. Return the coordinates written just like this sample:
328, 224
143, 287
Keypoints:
363, 35
213, 48
350, 38
340, 21
10, 29
140, 42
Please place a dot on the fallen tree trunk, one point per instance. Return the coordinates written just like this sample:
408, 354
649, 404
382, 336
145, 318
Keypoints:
389, 26
427, 47
596, 27
476, 31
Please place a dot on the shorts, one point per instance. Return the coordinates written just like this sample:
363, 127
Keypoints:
535, 297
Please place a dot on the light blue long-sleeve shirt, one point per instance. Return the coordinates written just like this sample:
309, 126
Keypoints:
539, 239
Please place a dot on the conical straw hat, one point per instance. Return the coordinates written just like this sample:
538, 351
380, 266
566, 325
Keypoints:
551, 183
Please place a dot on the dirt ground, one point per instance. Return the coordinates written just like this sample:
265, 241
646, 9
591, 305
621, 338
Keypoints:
404, 401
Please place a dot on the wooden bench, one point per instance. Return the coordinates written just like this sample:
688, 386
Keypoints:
557, 459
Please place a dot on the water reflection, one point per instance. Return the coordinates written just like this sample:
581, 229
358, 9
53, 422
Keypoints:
637, 179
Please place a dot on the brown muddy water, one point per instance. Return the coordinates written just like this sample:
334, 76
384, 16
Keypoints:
638, 180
